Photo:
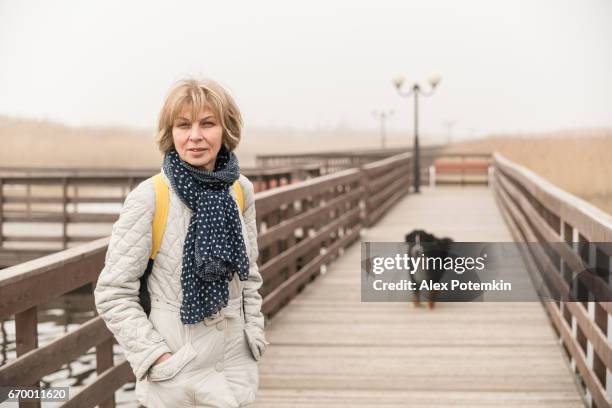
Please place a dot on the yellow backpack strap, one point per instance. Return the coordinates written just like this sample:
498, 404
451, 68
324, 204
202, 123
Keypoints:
161, 209
161, 212
239, 195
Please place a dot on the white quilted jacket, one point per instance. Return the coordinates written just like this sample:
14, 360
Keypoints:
214, 362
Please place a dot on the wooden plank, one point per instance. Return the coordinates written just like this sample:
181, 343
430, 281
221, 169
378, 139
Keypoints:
442, 166
49, 180
41, 280
388, 162
58, 217
593, 384
446, 181
287, 289
380, 182
287, 226
414, 398
106, 384
32, 238
45, 238
270, 200
391, 195
271, 267
74, 171
35, 363
60, 200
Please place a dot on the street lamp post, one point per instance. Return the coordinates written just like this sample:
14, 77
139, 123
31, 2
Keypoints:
449, 124
383, 115
434, 80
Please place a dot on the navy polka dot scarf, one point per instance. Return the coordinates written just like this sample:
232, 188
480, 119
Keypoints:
214, 248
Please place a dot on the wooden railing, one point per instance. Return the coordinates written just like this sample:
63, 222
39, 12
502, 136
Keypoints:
60, 199
330, 162
267, 178
385, 182
26, 287
252, 172
537, 211
62, 203
301, 229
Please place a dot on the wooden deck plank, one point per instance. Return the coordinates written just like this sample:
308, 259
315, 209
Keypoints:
275, 398
330, 350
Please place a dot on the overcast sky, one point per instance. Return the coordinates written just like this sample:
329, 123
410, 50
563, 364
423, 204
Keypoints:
506, 66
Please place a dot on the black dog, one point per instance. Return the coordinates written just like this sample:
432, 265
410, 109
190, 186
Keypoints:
427, 245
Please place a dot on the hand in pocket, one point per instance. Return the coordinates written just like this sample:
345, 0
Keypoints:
162, 358
169, 367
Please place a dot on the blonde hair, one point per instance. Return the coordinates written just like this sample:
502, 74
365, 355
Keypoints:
200, 94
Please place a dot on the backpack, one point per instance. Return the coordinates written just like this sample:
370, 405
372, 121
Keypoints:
162, 201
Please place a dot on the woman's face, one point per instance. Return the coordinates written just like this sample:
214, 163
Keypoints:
197, 140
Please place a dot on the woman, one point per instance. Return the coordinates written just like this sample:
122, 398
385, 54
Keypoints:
200, 344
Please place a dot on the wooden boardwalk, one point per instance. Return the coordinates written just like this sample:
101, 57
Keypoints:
330, 350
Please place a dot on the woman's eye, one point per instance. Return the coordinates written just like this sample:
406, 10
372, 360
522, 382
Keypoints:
183, 126
208, 124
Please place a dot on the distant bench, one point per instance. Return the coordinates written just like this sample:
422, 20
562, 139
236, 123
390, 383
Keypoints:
459, 171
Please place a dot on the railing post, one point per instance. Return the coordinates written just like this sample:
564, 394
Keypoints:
4, 342
291, 241
363, 199
104, 361
609, 337
297, 175
65, 212
76, 198
26, 339
272, 219
432, 177
29, 201
1, 210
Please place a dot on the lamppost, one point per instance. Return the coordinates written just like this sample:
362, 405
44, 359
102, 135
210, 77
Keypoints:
416, 90
449, 124
382, 115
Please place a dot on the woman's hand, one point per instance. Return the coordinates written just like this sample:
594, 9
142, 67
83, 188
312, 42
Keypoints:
256, 340
162, 358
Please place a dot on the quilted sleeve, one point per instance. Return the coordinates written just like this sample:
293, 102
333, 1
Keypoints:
252, 299
116, 292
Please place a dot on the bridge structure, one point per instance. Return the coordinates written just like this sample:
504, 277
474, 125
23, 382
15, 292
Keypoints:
328, 348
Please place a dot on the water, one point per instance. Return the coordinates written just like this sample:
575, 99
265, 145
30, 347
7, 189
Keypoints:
62, 316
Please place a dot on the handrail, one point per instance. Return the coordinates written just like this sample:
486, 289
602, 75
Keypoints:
67, 199
538, 211
592, 222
